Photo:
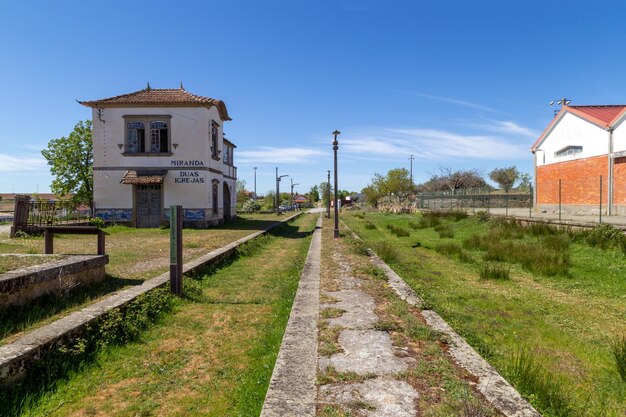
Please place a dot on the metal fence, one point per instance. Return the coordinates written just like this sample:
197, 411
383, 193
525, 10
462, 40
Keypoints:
30, 216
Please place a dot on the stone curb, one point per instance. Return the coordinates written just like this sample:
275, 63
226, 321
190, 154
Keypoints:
16, 357
292, 392
491, 384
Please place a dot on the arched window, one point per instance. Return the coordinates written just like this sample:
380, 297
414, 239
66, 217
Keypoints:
136, 137
158, 136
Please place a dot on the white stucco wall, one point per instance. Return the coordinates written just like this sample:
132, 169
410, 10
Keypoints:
619, 136
190, 167
572, 130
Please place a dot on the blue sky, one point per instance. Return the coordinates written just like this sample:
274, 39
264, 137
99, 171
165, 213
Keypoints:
461, 84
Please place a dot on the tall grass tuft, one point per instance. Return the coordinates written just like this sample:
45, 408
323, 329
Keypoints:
398, 231
606, 236
386, 251
618, 348
448, 248
369, 225
445, 231
495, 271
532, 381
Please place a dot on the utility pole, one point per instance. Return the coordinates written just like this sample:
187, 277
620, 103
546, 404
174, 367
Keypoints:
412, 158
335, 148
292, 185
278, 191
328, 197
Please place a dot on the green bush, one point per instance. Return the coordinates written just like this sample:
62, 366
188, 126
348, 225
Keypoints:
97, 221
370, 225
398, 231
606, 236
251, 206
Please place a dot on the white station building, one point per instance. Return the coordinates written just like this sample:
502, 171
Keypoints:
155, 148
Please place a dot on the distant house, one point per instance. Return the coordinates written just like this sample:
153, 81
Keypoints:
583, 149
154, 148
301, 200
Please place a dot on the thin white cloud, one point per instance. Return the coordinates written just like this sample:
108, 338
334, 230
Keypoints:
268, 154
10, 163
458, 102
430, 144
507, 127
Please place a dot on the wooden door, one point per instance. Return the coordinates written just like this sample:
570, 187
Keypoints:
148, 200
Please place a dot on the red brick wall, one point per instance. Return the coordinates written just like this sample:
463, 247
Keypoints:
580, 181
619, 182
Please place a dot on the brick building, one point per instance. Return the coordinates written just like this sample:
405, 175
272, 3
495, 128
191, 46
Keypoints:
585, 148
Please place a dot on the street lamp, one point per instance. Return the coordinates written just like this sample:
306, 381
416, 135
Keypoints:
328, 197
335, 147
278, 190
255, 183
292, 185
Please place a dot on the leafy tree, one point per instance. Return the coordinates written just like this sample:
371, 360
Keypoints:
314, 194
525, 182
242, 194
71, 163
323, 190
372, 194
268, 201
398, 182
505, 177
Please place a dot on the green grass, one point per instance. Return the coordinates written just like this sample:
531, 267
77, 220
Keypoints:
127, 265
569, 307
213, 355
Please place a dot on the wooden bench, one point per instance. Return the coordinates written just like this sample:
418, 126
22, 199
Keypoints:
49, 232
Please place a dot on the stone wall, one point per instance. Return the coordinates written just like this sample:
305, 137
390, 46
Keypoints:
21, 286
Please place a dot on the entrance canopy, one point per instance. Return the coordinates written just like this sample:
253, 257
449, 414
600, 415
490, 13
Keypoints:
144, 177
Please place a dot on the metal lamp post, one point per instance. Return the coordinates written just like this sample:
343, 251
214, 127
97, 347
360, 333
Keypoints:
291, 199
328, 197
255, 183
278, 190
335, 147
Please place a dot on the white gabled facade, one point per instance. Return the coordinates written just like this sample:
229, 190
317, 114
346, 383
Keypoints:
155, 148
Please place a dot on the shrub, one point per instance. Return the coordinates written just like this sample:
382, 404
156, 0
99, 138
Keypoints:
97, 221
618, 348
495, 271
482, 216
607, 236
250, 206
359, 215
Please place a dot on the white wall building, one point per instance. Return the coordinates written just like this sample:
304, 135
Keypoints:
155, 148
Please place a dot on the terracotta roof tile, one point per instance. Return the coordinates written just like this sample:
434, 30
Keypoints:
143, 177
160, 97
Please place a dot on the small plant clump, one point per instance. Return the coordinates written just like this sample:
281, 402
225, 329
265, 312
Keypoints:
398, 231
370, 225
606, 236
386, 251
495, 271
445, 231
448, 249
